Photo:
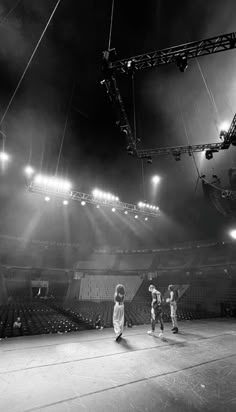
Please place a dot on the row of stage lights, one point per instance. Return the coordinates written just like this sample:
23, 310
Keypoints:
83, 203
55, 186
142, 205
98, 194
53, 183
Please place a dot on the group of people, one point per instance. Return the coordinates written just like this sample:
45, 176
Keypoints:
156, 310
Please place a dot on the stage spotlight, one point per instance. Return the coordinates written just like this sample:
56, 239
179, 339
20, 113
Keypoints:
95, 192
156, 179
126, 212
140, 204
136, 216
113, 209
4, 157
130, 150
177, 156
29, 171
146, 218
209, 153
83, 203
47, 199
65, 202
233, 233
38, 179
97, 206
182, 63
224, 126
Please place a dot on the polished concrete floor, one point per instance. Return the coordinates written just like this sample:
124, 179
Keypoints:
88, 371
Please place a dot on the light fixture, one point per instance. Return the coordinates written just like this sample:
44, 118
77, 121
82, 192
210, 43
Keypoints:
209, 154
177, 156
143, 205
52, 183
130, 150
65, 202
47, 199
224, 126
113, 209
156, 179
97, 206
146, 218
233, 233
29, 171
4, 157
136, 216
83, 203
126, 212
182, 62
99, 194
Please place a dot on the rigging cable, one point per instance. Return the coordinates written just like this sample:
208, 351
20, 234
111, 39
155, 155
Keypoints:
210, 94
10, 11
111, 23
135, 133
187, 138
65, 126
28, 64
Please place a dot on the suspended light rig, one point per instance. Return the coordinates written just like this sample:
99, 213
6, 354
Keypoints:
228, 138
51, 187
179, 55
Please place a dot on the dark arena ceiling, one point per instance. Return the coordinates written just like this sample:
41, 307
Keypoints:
58, 117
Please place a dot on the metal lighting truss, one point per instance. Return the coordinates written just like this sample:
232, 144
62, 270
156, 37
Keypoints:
177, 54
80, 196
172, 54
229, 138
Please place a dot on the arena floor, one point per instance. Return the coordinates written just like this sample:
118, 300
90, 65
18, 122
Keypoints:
88, 371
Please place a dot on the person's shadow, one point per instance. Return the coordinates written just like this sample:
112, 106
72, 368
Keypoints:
125, 343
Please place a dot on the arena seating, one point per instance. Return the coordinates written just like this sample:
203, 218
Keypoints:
83, 292
102, 287
37, 317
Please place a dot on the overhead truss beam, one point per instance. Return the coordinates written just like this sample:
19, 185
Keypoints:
172, 54
80, 196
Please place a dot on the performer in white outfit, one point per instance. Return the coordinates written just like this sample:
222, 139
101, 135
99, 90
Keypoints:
119, 311
172, 300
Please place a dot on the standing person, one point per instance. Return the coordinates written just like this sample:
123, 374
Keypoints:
172, 300
119, 311
156, 310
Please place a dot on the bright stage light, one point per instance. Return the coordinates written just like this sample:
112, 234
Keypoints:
126, 212
38, 179
233, 233
113, 209
4, 157
29, 171
52, 183
136, 216
156, 179
146, 218
47, 199
83, 203
104, 195
97, 206
65, 202
224, 126
142, 205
